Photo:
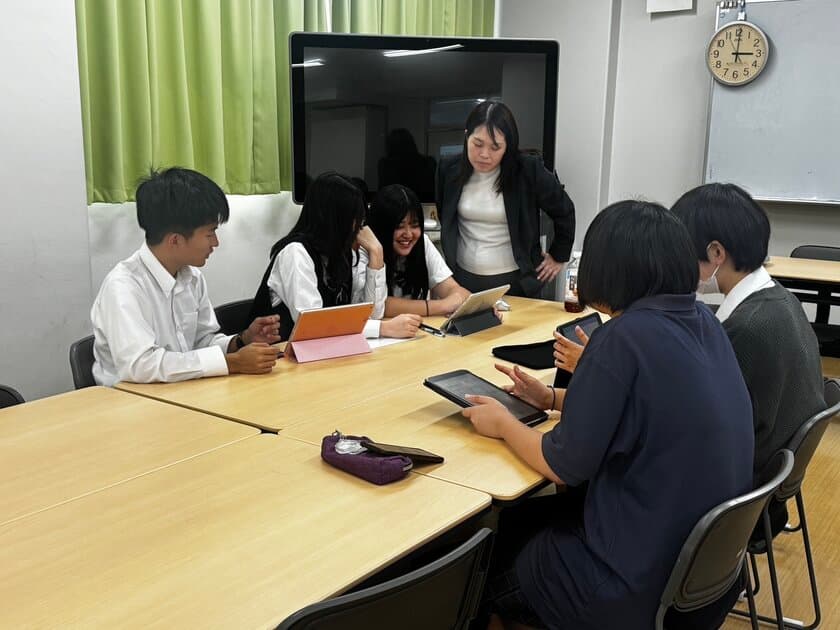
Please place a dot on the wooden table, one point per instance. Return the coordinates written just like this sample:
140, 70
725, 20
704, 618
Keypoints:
238, 537
63, 447
294, 392
822, 276
416, 416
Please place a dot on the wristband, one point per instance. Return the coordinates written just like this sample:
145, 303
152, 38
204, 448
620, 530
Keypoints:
553, 397
239, 341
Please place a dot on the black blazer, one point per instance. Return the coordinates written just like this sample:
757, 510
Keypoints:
535, 189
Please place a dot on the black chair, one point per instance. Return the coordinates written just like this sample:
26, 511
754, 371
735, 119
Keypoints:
81, 362
802, 444
9, 397
442, 594
714, 554
828, 334
234, 317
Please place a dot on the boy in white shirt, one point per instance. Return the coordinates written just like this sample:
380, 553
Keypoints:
152, 318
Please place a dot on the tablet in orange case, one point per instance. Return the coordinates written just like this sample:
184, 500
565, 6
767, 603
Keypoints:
325, 333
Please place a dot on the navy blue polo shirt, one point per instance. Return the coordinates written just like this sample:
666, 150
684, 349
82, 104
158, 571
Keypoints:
658, 420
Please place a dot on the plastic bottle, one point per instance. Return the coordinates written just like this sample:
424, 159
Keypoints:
570, 298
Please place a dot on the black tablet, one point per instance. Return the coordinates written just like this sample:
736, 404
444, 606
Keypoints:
456, 385
588, 323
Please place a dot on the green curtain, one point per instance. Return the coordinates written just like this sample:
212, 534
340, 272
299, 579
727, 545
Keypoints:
204, 84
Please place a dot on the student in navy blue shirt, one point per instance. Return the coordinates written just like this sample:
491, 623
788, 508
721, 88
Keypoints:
656, 430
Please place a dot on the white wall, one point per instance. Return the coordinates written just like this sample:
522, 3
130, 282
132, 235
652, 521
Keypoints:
45, 277
653, 143
584, 30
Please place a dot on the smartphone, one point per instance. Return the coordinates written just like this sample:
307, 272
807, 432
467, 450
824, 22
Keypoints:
588, 323
416, 455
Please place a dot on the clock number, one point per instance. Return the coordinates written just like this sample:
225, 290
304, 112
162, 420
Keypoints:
749, 34
746, 72
758, 53
755, 64
734, 74
717, 63
739, 31
725, 71
728, 34
715, 54
720, 43
756, 43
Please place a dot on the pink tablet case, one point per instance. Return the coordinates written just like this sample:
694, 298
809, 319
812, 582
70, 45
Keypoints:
327, 347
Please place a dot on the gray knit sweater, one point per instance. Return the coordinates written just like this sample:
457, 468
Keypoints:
780, 359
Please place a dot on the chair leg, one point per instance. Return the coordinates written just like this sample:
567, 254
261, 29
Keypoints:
806, 540
750, 596
755, 574
771, 565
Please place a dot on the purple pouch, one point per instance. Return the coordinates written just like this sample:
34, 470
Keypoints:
378, 469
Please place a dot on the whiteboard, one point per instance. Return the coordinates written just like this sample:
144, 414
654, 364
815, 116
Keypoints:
779, 136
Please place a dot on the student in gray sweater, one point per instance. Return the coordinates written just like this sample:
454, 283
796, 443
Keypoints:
773, 340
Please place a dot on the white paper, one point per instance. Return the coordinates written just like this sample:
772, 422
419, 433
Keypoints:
381, 342
660, 6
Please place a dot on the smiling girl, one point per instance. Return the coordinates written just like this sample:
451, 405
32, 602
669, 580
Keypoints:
418, 279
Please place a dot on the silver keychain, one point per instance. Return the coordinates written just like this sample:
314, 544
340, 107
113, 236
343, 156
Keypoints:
345, 446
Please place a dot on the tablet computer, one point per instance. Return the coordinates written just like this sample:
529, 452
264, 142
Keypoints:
332, 321
588, 324
475, 302
456, 385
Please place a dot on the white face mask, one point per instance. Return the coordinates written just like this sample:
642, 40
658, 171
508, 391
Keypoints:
710, 285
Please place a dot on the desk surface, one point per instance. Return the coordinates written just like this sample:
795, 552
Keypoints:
293, 392
239, 537
59, 448
416, 416
804, 269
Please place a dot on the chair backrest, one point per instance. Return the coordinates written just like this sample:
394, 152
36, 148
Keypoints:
442, 594
81, 362
817, 252
712, 556
805, 441
9, 396
234, 317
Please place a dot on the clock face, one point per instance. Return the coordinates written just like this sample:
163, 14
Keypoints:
737, 53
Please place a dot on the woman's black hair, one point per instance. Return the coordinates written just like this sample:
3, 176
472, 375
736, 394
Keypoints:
726, 213
332, 215
497, 117
389, 207
178, 200
635, 249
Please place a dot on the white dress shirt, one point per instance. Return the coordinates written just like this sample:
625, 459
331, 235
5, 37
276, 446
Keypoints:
756, 281
484, 246
150, 327
436, 266
293, 282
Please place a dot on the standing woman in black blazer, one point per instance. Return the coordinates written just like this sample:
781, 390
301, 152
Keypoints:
489, 200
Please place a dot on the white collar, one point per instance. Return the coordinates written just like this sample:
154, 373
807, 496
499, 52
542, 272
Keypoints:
749, 284
164, 279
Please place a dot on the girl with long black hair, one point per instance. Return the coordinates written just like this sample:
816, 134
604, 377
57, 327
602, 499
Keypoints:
417, 278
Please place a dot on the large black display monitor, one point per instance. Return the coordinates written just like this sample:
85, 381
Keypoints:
387, 109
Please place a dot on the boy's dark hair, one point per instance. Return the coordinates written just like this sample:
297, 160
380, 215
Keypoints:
178, 200
728, 214
635, 249
331, 217
498, 118
391, 205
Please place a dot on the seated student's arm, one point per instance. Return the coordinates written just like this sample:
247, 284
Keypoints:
123, 319
293, 281
446, 298
573, 451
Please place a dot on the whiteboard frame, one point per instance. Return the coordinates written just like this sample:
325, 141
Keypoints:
732, 6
